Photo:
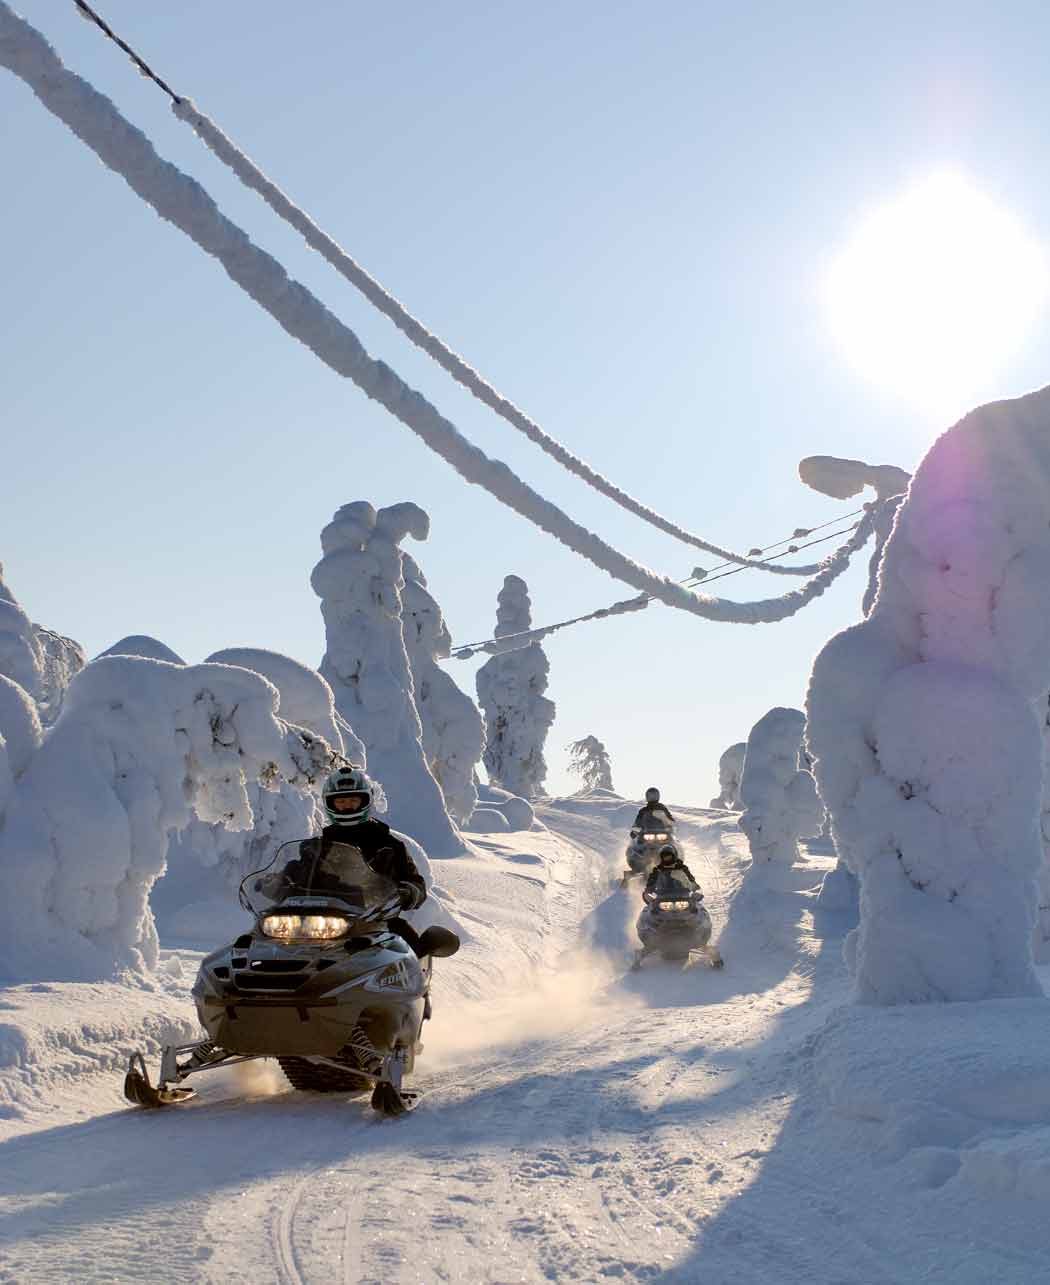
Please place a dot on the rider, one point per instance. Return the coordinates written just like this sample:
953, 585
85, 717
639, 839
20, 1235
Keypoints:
668, 861
347, 797
652, 811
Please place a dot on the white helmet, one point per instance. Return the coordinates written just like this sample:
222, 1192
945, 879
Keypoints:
347, 796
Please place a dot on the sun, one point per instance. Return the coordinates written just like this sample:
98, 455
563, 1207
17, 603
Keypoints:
935, 293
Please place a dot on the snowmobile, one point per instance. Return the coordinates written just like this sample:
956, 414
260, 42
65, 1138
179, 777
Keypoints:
320, 983
673, 922
644, 848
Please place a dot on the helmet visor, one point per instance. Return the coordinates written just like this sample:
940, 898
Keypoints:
352, 801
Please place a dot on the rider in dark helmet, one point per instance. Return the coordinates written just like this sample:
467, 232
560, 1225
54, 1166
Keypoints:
653, 810
666, 861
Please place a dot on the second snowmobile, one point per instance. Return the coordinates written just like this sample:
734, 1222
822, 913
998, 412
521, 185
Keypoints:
674, 923
320, 983
644, 848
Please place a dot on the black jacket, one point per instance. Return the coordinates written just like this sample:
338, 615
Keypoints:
677, 864
383, 851
648, 815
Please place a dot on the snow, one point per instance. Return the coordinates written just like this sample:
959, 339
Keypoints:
40, 661
184, 203
140, 749
510, 692
360, 581
579, 1123
143, 645
730, 769
779, 799
453, 730
925, 721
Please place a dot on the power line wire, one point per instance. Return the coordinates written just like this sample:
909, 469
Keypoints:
410, 326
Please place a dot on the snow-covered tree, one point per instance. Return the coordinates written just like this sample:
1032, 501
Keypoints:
590, 761
510, 691
779, 798
730, 769
925, 721
140, 749
452, 726
39, 660
360, 582
145, 646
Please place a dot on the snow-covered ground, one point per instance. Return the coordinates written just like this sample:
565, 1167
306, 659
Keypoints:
579, 1123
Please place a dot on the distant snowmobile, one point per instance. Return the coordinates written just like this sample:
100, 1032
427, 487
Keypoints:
673, 922
644, 848
320, 984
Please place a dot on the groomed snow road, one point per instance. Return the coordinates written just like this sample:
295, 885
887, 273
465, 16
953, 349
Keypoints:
661, 1126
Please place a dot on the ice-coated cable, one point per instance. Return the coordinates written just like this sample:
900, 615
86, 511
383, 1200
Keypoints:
184, 202
515, 642
376, 293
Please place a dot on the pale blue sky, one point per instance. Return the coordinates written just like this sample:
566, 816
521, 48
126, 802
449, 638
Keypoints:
620, 213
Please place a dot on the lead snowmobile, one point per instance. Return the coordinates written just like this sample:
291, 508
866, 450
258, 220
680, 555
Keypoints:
320, 983
674, 923
644, 848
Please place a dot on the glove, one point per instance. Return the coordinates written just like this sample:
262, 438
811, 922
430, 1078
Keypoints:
409, 895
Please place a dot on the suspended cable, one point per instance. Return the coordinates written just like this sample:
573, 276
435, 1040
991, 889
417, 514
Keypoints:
410, 326
183, 202
498, 645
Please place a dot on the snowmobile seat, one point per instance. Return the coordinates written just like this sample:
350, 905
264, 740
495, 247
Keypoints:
437, 941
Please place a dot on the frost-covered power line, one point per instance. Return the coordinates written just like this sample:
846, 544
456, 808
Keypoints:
184, 203
253, 178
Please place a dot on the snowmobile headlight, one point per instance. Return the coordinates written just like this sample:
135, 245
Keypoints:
674, 905
660, 837
303, 927
650, 838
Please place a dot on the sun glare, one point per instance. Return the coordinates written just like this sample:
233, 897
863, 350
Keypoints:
935, 293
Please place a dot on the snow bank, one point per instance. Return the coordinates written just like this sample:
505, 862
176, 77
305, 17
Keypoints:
360, 583
730, 770
452, 727
510, 691
499, 810
965, 1085
145, 646
184, 203
140, 749
925, 721
779, 799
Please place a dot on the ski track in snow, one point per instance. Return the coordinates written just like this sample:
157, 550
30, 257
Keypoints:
659, 1132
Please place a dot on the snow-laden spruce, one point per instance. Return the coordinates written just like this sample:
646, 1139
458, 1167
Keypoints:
39, 660
589, 760
360, 582
730, 770
140, 749
778, 797
452, 726
925, 720
184, 203
510, 691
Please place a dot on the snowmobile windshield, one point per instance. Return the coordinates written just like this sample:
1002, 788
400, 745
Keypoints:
315, 868
673, 884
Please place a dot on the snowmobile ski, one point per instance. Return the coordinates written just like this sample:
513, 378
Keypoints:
139, 1091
